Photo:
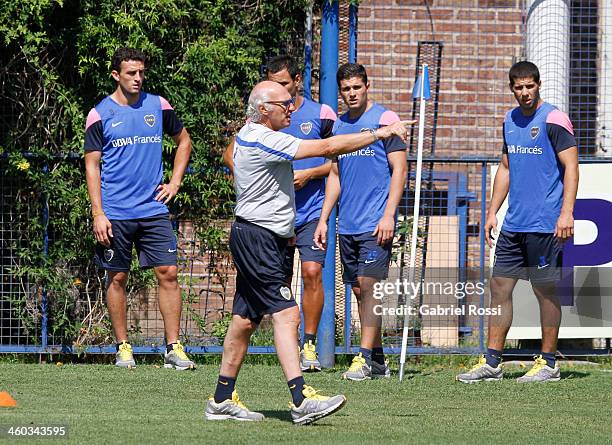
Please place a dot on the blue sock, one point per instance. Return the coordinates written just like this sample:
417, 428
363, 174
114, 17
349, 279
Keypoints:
367, 354
296, 386
550, 358
378, 355
493, 357
225, 388
309, 338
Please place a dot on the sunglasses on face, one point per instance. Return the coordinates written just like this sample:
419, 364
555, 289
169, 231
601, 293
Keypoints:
285, 104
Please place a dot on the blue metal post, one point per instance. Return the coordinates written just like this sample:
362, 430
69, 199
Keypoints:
43, 304
352, 51
348, 292
330, 29
483, 219
307, 74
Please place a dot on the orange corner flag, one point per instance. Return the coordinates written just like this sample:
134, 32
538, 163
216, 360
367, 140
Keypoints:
6, 399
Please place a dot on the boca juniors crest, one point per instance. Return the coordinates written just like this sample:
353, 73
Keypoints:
306, 127
535, 131
149, 120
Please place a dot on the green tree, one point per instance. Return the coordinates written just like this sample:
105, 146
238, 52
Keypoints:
205, 55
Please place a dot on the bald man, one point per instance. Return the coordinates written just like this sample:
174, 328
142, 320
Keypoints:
265, 217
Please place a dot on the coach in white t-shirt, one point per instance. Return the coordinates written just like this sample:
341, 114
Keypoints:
265, 216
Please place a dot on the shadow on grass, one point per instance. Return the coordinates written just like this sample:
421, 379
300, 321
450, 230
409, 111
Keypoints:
285, 416
565, 375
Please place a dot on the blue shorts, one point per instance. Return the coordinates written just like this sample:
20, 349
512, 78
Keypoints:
304, 242
362, 257
262, 271
153, 237
536, 257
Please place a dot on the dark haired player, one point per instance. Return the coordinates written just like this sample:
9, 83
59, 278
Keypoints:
369, 184
123, 162
539, 174
310, 120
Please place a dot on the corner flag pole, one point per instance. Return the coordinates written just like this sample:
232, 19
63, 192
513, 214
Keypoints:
421, 90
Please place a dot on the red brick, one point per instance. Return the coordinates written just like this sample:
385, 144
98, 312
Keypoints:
413, 25
474, 63
510, 39
514, 16
390, 36
364, 12
497, 3
396, 13
479, 46
476, 15
497, 28
482, 39
436, 14
408, 2
454, 3
460, 50
492, 74
455, 27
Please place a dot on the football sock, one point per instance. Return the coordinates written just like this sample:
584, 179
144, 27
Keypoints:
309, 338
493, 357
367, 354
296, 386
225, 388
378, 355
550, 358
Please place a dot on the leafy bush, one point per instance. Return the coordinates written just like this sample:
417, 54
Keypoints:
205, 55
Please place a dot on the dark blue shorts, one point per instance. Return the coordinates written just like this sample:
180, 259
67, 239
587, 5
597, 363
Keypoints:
362, 257
536, 257
262, 271
153, 237
303, 241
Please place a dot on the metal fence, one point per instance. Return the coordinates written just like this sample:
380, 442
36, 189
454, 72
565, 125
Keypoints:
450, 249
463, 142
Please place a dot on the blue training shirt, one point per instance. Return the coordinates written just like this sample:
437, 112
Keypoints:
536, 175
365, 175
130, 139
311, 121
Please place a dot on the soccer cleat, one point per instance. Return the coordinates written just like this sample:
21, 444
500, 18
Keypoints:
309, 360
541, 372
315, 406
230, 409
481, 372
124, 358
359, 370
380, 371
177, 358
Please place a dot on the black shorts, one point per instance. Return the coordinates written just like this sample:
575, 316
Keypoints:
362, 257
153, 237
262, 271
536, 257
304, 242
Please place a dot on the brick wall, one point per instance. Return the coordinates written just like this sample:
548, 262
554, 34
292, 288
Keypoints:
482, 38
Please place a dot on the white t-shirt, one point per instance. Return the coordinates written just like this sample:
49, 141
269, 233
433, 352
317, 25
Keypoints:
263, 178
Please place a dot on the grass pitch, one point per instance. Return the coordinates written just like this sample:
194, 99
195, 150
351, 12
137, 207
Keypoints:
101, 404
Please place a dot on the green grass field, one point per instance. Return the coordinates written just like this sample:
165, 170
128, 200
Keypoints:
104, 405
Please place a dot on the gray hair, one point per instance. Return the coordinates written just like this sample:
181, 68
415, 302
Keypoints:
257, 98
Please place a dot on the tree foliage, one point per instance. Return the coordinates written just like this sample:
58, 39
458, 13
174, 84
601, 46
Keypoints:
205, 55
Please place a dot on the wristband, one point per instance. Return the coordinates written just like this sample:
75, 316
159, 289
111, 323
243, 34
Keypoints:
373, 133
